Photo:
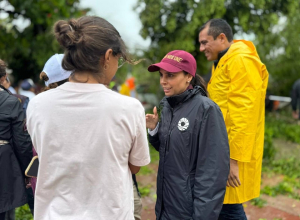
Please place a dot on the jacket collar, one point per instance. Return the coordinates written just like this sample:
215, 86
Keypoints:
186, 95
220, 55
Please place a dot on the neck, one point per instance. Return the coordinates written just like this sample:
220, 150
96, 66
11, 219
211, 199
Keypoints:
229, 44
226, 45
86, 77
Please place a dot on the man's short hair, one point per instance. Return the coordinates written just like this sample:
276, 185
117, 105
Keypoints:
217, 26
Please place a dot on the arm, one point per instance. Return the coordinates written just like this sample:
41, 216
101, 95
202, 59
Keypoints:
134, 169
20, 137
139, 153
212, 166
246, 97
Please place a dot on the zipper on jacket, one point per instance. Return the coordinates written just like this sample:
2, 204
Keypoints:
168, 141
169, 132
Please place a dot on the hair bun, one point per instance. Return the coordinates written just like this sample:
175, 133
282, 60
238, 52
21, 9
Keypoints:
67, 33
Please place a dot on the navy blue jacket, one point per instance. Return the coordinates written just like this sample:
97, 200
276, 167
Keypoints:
194, 157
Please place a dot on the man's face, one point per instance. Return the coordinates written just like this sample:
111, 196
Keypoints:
209, 46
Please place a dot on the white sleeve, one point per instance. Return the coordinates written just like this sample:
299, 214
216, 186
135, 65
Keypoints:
154, 131
139, 154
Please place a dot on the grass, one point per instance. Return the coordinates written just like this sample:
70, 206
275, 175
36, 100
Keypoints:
287, 187
289, 167
23, 213
145, 170
145, 191
259, 202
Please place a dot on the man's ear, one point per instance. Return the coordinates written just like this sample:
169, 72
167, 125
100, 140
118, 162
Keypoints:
222, 38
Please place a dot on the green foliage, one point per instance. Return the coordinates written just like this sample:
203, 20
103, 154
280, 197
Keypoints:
289, 167
145, 191
259, 202
282, 127
279, 126
269, 149
174, 25
283, 188
26, 51
23, 213
145, 170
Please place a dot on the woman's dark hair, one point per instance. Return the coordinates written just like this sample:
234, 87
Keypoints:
86, 40
2, 68
44, 77
198, 81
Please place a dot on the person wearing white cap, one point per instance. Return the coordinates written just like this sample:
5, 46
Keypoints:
53, 74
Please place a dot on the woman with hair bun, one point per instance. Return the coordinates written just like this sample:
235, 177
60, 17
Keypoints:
89, 139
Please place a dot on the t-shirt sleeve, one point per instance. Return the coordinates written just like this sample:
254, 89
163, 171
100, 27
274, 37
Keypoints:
139, 154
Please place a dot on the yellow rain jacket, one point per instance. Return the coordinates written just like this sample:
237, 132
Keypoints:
238, 85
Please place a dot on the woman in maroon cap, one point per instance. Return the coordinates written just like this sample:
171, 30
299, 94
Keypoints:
191, 138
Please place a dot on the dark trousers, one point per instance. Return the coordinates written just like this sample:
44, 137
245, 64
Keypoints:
2, 216
232, 212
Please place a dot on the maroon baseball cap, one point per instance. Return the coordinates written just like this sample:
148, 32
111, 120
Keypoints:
176, 61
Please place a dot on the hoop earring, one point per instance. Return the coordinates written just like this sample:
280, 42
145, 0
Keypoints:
105, 67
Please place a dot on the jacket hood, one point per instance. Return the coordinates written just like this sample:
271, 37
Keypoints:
241, 47
177, 99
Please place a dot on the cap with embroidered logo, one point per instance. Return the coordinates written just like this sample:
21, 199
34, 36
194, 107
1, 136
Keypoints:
176, 61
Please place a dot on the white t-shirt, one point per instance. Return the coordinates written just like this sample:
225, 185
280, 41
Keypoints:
85, 135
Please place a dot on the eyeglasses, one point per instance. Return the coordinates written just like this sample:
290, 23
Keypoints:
121, 62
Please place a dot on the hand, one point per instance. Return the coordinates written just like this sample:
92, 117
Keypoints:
295, 114
233, 178
28, 183
152, 119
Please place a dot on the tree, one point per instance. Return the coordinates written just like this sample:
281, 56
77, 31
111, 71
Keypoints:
174, 24
26, 49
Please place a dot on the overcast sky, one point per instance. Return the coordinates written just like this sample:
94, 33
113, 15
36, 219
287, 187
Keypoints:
120, 13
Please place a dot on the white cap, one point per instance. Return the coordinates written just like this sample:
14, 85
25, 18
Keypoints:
54, 70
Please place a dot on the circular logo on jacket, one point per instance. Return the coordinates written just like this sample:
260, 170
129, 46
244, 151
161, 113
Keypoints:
183, 124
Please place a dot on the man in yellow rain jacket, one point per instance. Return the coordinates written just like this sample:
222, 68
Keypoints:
238, 85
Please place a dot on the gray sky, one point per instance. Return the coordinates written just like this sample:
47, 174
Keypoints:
120, 13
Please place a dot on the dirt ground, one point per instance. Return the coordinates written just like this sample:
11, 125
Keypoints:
277, 208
